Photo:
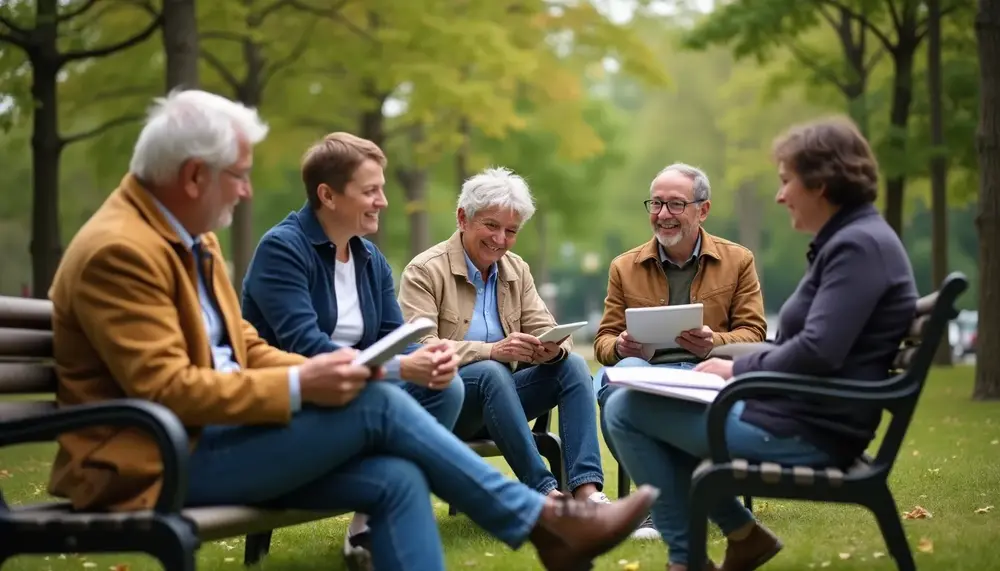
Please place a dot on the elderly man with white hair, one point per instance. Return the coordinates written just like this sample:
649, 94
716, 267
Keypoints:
143, 308
482, 296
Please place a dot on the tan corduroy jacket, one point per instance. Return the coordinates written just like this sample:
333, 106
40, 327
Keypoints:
127, 323
726, 284
436, 285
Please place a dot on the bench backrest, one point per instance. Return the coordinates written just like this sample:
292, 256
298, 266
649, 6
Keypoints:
26, 365
913, 362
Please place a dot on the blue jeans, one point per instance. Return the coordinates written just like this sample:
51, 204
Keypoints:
444, 404
604, 392
382, 455
498, 403
662, 440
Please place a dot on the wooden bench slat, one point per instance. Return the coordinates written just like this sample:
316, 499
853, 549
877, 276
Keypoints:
926, 304
27, 378
25, 313
25, 343
213, 522
16, 410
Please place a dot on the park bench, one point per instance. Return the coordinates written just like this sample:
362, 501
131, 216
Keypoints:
864, 483
168, 532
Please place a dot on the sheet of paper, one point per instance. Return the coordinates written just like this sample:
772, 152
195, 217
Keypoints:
666, 376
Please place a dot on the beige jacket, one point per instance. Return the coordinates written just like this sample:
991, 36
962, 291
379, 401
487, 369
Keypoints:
436, 285
726, 284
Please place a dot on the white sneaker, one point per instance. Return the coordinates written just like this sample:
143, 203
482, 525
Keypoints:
646, 530
599, 498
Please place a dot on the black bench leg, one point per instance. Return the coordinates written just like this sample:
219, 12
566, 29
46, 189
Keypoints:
257, 546
550, 448
177, 560
748, 503
887, 514
624, 483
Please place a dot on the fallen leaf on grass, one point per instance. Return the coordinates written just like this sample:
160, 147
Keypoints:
633, 566
844, 556
925, 545
984, 510
824, 564
916, 453
878, 555
229, 559
917, 513
934, 470
5, 474
994, 441
89, 564
488, 554
119, 567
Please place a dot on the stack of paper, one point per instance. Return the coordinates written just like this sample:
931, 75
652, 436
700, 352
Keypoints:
668, 381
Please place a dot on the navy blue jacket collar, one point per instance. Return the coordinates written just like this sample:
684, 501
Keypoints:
313, 230
841, 218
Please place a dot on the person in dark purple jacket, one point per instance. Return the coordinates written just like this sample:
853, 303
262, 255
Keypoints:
846, 319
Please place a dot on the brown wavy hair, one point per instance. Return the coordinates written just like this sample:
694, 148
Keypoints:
831, 153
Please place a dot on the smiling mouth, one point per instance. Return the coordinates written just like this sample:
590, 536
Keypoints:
491, 247
373, 215
669, 226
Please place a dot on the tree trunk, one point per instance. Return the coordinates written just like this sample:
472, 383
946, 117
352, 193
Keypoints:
939, 166
462, 155
902, 97
372, 123
414, 182
46, 148
988, 143
241, 236
180, 44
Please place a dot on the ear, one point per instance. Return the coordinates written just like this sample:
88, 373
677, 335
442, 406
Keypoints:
703, 210
325, 194
193, 175
463, 220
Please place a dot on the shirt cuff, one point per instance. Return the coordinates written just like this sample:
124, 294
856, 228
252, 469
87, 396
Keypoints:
294, 391
393, 368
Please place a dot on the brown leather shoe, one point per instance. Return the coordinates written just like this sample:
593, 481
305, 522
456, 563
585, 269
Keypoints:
750, 553
571, 533
709, 566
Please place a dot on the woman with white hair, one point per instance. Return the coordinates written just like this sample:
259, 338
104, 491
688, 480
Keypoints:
483, 298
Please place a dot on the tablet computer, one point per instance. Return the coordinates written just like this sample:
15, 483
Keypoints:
394, 343
658, 327
560, 332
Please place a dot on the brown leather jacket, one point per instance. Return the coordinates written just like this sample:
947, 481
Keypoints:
726, 283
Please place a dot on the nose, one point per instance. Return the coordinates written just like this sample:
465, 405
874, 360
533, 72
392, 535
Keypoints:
381, 201
246, 190
779, 197
665, 214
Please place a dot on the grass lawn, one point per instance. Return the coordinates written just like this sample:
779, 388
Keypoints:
948, 466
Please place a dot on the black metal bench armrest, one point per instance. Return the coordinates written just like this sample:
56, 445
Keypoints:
762, 384
165, 428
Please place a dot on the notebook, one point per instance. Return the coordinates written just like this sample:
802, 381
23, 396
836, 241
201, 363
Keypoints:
669, 382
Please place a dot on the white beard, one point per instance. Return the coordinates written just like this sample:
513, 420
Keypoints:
671, 241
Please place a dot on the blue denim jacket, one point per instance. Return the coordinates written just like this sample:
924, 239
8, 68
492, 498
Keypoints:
288, 292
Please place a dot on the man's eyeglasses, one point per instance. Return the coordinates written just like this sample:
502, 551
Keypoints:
673, 206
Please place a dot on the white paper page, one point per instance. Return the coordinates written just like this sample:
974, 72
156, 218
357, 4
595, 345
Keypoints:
695, 395
666, 376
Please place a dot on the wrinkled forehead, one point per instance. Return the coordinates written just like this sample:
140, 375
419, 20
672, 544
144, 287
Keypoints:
672, 185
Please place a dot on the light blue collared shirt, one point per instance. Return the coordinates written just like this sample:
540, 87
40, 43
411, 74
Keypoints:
215, 327
485, 325
694, 255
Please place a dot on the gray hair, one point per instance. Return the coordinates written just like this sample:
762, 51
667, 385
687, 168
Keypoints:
497, 186
192, 124
702, 188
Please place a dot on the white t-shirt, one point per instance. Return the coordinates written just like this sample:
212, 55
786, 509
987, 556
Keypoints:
350, 323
